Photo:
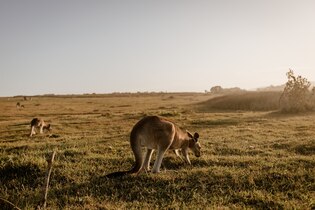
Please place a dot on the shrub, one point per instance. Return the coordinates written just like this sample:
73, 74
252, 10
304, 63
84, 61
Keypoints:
296, 96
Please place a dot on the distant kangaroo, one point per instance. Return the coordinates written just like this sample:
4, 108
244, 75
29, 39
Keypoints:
39, 123
159, 134
19, 105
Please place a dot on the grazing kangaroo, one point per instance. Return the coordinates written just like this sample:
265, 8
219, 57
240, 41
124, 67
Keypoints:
39, 123
19, 105
159, 134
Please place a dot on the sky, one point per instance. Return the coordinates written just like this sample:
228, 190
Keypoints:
104, 46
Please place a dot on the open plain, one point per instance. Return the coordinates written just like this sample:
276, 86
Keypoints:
251, 159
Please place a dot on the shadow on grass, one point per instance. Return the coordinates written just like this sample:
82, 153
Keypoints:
301, 149
18, 149
159, 190
305, 149
16, 175
188, 187
213, 123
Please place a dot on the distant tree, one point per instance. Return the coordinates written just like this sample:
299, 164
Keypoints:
296, 96
313, 97
216, 89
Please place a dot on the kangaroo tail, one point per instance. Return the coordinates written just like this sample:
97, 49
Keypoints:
117, 174
137, 152
136, 149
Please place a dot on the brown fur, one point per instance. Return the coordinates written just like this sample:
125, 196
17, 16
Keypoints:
19, 105
40, 124
159, 134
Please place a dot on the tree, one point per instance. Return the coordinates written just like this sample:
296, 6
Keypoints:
216, 89
296, 96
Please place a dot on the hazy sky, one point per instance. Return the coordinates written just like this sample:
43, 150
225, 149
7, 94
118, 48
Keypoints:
76, 46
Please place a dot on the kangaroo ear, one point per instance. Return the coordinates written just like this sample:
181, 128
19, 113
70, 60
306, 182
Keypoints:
196, 136
189, 134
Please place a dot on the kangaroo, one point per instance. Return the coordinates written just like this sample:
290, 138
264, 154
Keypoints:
159, 134
39, 123
19, 106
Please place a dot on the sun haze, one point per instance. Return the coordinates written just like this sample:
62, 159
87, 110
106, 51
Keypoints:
76, 46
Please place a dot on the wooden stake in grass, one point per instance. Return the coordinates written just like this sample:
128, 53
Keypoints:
50, 163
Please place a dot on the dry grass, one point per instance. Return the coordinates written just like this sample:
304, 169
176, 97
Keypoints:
249, 101
258, 160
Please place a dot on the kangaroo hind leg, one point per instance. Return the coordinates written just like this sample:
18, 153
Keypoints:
147, 159
32, 131
41, 129
158, 161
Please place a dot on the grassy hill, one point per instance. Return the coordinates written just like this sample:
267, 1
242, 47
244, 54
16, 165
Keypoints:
250, 160
250, 101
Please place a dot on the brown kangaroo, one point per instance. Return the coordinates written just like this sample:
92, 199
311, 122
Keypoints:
159, 134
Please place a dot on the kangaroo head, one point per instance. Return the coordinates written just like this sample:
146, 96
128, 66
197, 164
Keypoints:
194, 144
48, 127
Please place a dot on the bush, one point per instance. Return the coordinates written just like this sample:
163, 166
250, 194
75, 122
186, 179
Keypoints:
297, 96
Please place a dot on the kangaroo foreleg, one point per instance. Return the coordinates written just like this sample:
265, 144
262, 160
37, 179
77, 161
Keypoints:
176, 151
186, 157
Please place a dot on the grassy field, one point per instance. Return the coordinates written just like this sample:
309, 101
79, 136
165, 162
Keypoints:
250, 159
